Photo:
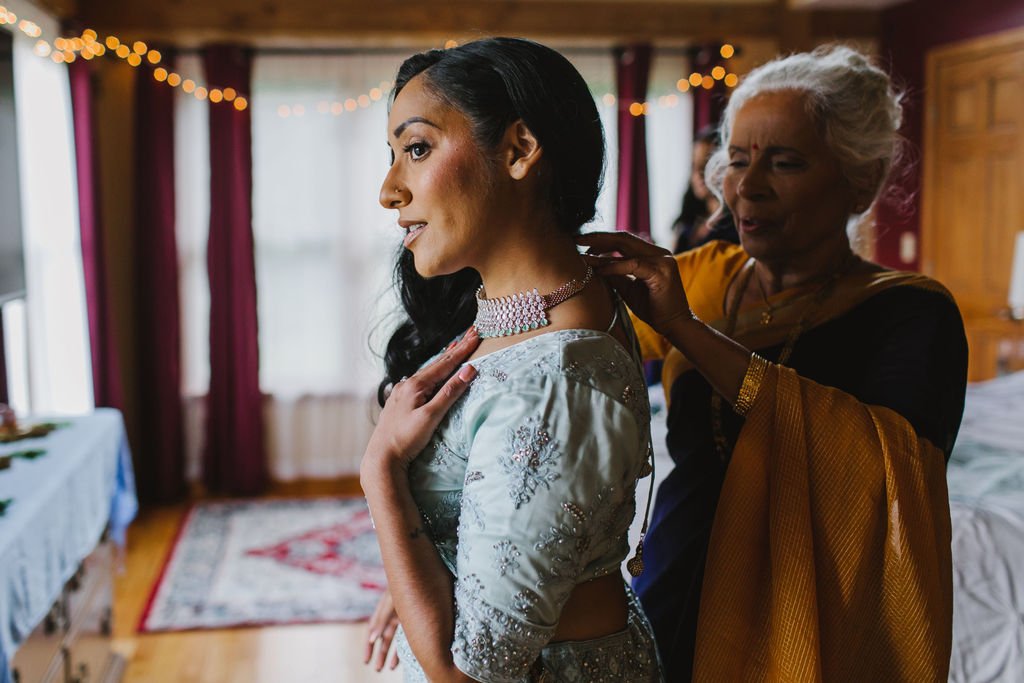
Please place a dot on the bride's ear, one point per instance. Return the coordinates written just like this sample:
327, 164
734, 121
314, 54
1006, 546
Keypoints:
522, 150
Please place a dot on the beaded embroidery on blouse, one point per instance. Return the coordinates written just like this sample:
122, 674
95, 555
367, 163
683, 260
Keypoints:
516, 578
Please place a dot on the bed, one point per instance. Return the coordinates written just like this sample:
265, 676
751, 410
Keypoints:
986, 498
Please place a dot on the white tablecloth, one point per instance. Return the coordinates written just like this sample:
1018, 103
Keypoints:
62, 501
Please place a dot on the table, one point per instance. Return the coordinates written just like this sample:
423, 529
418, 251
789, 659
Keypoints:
63, 502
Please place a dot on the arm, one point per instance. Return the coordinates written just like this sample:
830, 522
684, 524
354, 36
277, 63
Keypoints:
647, 277
420, 585
917, 359
419, 582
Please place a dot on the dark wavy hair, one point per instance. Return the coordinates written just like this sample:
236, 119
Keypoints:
495, 82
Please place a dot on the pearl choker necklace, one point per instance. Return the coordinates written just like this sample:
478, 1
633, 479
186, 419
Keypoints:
524, 311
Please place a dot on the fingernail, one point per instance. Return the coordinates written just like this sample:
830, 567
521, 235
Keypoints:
449, 347
467, 373
374, 636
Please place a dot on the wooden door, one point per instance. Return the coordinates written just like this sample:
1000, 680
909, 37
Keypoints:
973, 197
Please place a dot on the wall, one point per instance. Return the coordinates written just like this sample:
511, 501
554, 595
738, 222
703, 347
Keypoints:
908, 32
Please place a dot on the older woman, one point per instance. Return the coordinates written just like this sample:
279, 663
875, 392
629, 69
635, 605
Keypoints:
814, 398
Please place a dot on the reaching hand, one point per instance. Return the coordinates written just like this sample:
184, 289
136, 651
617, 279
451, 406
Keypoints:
645, 275
417, 404
383, 625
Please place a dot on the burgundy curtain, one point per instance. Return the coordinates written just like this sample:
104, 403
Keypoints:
234, 460
4, 397
707, 104
160, 466
106, 371
633, 209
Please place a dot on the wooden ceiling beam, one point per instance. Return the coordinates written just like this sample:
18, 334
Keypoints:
390, 21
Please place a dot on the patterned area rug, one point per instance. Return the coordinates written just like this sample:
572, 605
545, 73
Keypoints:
266, 562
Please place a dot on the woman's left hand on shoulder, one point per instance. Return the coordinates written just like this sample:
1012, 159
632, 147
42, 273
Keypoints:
417, 404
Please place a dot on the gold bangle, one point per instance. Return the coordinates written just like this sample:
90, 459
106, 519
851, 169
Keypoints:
751, 384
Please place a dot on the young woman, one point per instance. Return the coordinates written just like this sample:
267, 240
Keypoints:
502, 489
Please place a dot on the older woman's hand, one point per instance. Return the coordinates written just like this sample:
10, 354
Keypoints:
644, 274
417, 404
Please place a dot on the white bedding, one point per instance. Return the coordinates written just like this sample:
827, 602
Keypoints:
986, 492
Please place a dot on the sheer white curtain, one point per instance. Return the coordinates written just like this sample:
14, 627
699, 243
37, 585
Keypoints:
598, 70
325, 251
192, 227
669, 143
669, 124
55, 332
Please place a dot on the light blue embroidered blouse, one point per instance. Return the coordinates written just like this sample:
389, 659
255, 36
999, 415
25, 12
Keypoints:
527, 489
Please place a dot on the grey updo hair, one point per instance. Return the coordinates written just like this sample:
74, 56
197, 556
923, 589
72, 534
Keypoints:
853, 102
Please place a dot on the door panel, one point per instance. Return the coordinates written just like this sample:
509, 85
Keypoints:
972, 206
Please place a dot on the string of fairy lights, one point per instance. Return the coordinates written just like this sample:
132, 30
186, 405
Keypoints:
88, 46
695, 80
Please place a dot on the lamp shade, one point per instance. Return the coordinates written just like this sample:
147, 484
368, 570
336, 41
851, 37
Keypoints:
1017, 278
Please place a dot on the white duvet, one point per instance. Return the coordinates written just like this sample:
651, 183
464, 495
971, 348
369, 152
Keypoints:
986, 491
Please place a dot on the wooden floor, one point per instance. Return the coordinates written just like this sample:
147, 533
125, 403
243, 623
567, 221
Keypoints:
321, 653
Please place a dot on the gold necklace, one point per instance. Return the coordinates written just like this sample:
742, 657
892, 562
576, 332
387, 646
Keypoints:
722, 445
766, 316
